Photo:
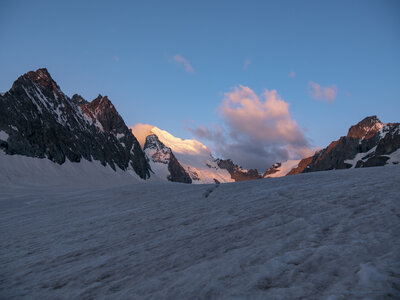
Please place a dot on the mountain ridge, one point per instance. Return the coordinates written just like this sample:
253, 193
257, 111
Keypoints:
41, 121
369, 143
38, 120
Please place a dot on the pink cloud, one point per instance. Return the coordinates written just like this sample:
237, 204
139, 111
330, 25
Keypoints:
321, 93
258, 130
292, 74
181, 60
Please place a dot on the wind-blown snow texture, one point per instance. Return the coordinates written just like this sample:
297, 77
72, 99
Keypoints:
325, 235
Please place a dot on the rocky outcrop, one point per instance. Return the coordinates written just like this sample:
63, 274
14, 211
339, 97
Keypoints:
368, 143
236, 171
159, 153
303, 164
41, 121
272, 170
366, 128
78, 99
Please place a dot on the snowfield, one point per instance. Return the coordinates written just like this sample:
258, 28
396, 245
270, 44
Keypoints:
324, 235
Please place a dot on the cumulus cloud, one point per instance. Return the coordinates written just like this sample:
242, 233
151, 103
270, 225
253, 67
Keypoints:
183, 61
141, 131
321, 93
246, 64
258, 130
292, 74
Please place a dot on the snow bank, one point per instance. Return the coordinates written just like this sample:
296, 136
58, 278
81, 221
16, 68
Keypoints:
37, 171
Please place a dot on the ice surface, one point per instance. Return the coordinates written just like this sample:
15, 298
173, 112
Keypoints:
322, 235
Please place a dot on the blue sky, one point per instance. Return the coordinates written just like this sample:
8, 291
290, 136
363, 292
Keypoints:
169, 63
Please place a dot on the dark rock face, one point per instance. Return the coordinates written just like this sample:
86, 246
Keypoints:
370, 141
43, 122
160, 153
78, 99
273, 169
237, 173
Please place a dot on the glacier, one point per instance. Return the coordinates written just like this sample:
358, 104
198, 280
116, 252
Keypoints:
323, 235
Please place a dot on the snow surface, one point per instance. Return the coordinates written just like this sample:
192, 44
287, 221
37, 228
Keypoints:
285, 168
394, 157
39, 171
322, 235
120, 135
158, 165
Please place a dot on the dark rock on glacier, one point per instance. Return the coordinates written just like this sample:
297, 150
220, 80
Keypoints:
160, 153
43, 122
236, 171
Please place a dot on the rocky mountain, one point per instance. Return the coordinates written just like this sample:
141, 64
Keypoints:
194, 157
38, 120
236, 171
368, 143
163, 161
281, 168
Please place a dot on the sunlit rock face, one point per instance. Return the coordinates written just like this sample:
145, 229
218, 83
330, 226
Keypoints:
368, 143
39, 120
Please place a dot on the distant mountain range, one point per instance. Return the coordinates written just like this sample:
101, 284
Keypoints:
38, 120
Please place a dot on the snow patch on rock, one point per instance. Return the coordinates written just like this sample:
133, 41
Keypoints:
4, 135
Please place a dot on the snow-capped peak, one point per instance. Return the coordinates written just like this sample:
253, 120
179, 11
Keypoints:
193, 155
177, 145
183, 146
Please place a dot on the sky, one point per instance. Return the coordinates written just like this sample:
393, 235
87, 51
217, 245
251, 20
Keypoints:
256, 81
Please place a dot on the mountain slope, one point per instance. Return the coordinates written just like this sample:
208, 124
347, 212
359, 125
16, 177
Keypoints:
163, 162
39, 120
281, 169
193, 156
237, 172
368, 143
